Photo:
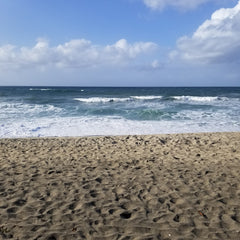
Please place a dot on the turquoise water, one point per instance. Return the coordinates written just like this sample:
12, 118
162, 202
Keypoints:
81, 111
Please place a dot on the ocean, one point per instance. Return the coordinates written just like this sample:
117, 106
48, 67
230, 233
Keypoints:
87, 111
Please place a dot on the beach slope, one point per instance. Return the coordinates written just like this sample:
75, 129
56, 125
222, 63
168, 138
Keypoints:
179, 186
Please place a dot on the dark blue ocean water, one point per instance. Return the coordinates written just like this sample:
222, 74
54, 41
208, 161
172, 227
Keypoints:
80, 111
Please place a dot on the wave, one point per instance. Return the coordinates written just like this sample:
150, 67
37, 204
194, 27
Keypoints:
147, 97
20, 109
154, 98
114, 99
198, 98
101, 99
40, 89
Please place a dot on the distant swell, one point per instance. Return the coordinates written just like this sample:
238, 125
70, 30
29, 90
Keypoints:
40, 89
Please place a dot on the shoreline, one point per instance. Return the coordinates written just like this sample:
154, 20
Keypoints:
163, 186
122, 135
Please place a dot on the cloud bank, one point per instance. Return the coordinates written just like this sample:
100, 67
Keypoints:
217, 40
179, 4
78, 53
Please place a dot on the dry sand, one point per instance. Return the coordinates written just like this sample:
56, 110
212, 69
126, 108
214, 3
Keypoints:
182, 186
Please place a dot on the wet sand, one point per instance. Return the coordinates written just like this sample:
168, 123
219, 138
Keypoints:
179, 186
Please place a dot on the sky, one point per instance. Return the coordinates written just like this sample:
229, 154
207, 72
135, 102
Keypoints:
120, 42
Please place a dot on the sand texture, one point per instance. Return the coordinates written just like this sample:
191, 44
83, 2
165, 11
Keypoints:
181, 186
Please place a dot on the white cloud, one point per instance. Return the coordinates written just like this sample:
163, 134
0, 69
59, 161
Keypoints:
78, 53
216, 40
155, 64
7, 53
36, 55
179, 4
122, 50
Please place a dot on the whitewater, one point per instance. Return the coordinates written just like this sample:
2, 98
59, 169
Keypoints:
87, 111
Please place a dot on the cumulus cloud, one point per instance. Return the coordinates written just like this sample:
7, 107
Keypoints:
78, 53
152, 66
216, 40
122, 50
179, 4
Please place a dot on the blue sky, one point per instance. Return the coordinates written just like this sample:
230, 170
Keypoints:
120, 42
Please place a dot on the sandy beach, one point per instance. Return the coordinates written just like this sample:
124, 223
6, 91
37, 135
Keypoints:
178, 186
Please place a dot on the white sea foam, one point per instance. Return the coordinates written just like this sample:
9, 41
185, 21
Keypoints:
196, 98
101, 99
147, 97
88, 126
19, 109
40, 89
132, 98
109, 99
